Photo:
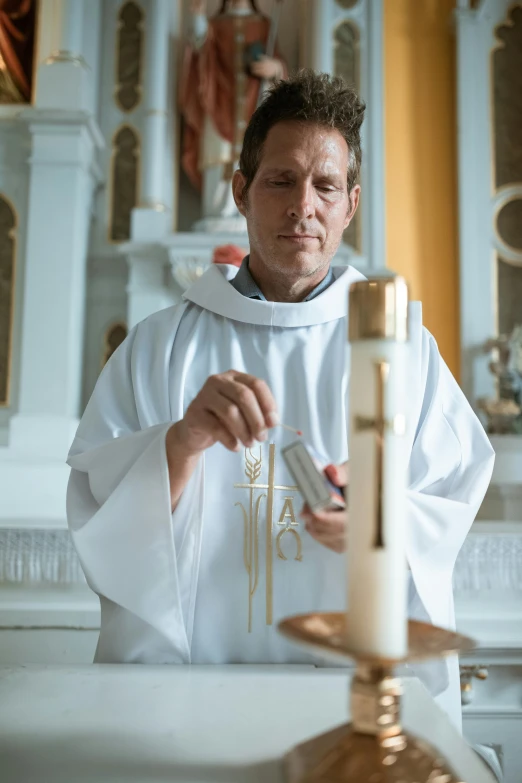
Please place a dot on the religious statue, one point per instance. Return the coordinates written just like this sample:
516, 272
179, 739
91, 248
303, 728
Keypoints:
17, 25
504, 414
227, 60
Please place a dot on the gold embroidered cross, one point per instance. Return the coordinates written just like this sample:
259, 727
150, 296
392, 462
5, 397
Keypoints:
253, 467
379, 425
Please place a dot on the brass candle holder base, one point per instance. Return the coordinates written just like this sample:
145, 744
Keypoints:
373, 748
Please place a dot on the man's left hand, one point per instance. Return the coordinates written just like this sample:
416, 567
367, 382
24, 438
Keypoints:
329, 528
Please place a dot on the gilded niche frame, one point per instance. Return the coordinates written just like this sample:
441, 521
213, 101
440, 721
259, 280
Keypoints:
110, 345
128, 62
123, 196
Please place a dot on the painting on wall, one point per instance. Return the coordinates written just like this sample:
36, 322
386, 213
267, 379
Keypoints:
17, 40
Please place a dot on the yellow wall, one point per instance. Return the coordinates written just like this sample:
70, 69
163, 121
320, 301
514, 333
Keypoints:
420, 144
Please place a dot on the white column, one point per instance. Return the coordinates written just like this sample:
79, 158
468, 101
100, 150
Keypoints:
60, 190
59, 28
151, 218
318, 36
373, 173
477, 311
155, 97
64, 138
63, 75
71, 27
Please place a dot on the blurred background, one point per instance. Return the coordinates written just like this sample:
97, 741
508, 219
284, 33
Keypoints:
114, 196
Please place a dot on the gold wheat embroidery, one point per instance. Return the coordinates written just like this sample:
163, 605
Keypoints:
252, 465
251, 528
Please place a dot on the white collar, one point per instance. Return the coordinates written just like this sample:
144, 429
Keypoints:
214, 293
240, 12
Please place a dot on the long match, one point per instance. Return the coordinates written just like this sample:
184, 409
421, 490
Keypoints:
291, 429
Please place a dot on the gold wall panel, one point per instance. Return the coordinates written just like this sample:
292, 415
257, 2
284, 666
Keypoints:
421, 161
509, 283
113, 338
347, 65
8, 223
129, 57
507, 99
124, 182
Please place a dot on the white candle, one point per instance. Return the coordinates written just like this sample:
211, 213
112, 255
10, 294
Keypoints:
377, 571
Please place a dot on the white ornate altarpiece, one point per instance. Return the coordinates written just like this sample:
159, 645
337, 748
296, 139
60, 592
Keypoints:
96, 232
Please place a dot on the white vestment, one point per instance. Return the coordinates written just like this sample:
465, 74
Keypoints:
184, 587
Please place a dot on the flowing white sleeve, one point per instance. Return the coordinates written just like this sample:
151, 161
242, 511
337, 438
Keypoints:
136, 554
450, 469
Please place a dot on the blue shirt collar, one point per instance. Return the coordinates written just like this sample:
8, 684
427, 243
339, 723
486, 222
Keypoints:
245, 284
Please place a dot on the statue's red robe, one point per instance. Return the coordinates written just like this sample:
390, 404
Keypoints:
215, 81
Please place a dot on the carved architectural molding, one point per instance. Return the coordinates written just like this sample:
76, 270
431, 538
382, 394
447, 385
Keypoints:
509, 287
507, 98
8, 224
489, 563
506, 74
129, 57
509, 223
486, 562
489, 75
38, 556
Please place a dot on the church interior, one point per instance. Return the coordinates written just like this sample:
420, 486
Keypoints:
105, 218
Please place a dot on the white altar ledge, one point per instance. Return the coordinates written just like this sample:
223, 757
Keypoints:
200, 724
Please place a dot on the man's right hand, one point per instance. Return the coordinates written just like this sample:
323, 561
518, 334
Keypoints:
232, 408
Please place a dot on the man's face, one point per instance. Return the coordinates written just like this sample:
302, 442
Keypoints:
298, 204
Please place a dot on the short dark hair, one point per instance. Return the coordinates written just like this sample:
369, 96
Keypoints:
310, 97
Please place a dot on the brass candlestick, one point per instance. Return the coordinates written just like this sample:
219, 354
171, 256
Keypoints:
373, 748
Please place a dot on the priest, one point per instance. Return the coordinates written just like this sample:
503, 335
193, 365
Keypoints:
187, 523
